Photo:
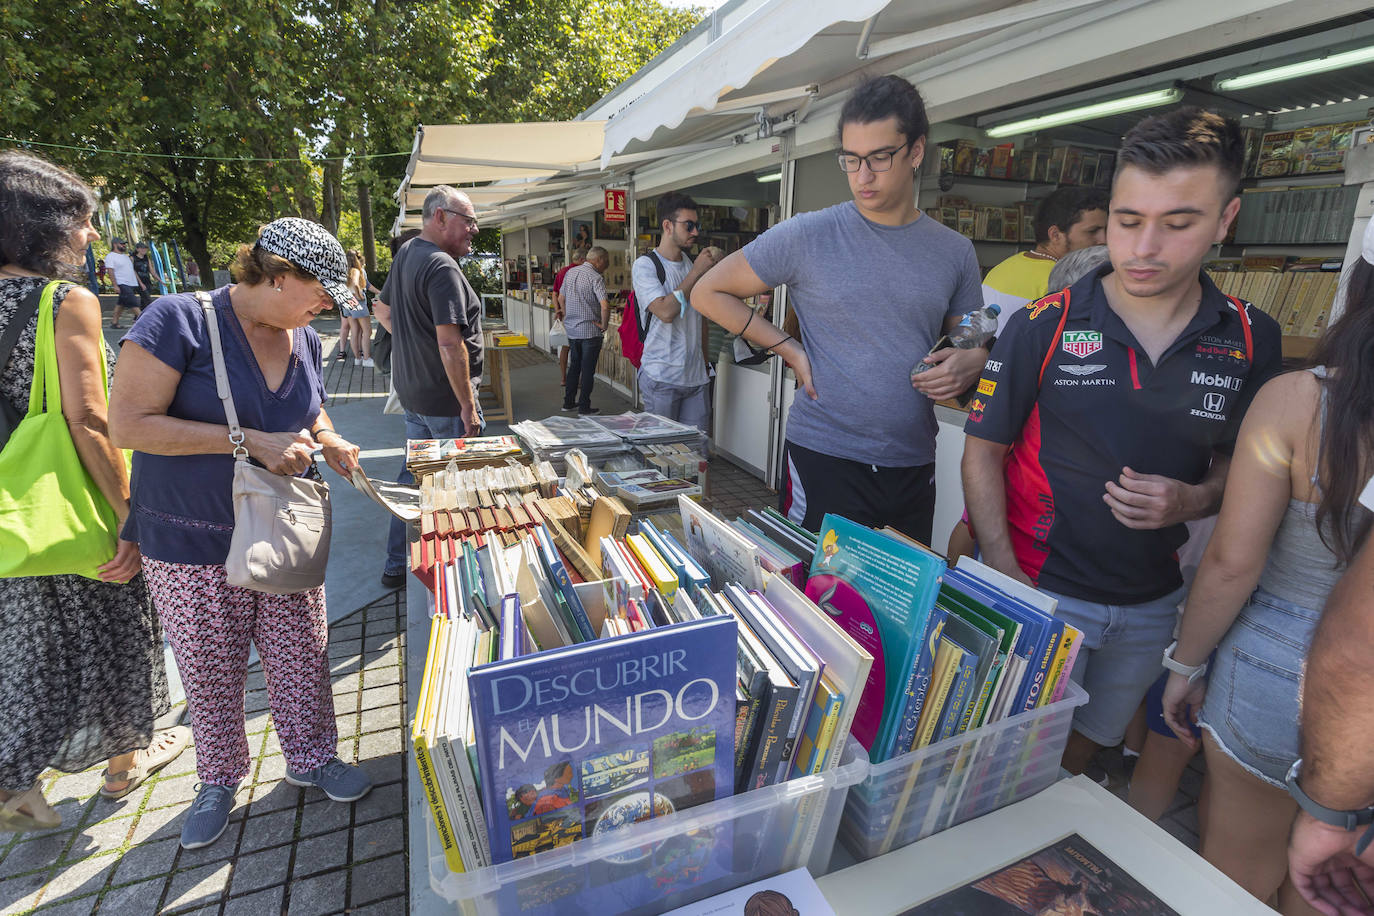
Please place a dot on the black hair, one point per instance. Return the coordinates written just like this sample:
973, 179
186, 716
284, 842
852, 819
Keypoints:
673, 203
398, 240
887, 97
1064, 208
43, 204
1188, 136
1347, 440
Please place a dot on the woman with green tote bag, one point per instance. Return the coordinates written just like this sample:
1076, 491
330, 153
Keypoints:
82, 677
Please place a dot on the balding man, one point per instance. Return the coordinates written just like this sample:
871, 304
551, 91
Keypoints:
436, 325
585, 315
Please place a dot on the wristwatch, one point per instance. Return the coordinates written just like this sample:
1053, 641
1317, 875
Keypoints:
1351, 820
1192, 672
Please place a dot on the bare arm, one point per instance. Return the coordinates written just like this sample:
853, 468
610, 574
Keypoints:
667, 308
985, 496
79, 344
142, 392
605, 315
720, 297
339, 453
382, 312
453, 351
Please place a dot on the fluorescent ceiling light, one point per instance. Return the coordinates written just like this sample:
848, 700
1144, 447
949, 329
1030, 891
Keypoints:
1088, 112
764, 179
1303, 68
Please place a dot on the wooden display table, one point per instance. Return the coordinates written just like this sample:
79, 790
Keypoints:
496, 378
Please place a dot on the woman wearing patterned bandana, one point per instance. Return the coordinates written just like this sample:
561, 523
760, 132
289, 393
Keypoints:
165, 406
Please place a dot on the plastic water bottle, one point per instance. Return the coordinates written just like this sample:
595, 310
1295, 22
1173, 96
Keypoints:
976, 329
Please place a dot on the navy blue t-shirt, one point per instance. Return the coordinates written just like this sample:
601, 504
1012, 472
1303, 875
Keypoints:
182, 508
1102, 406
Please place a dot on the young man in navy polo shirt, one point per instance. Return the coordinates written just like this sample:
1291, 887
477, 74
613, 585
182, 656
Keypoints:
1107, 413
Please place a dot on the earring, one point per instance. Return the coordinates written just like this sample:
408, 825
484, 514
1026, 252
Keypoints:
276, 289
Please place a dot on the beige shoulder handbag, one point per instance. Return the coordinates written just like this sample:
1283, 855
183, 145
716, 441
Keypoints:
281, 524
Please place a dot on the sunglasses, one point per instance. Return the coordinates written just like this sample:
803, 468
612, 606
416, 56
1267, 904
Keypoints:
692, 225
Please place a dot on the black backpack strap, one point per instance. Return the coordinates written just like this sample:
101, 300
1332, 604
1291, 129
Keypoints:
27, 309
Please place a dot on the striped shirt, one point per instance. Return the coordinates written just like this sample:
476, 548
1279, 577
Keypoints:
583, 289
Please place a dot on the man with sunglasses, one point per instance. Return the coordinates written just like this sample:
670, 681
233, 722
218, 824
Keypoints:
435, 318
874, 283
673, 380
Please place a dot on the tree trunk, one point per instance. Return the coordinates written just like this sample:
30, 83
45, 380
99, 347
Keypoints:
369, 234
332, 196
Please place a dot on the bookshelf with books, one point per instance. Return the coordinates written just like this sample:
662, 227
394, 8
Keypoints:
1296, 292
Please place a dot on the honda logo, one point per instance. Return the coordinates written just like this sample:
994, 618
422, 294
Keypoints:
1213, 402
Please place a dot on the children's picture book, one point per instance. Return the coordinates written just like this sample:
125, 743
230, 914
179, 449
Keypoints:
582, 740
1066, 878
725, 554
880, 590
792, 893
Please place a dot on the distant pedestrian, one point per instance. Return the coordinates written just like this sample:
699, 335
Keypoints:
121, 266
147, 274
166, 406
436, 324
82, 677
356, 323
559, 306
586, 315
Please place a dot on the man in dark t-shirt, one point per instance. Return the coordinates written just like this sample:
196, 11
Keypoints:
436, 326
1107, 412
147, 273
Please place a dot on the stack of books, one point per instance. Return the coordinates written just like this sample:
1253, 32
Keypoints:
641, 428
959, 647
645, 489
1298, 293
491, 485
552, 438
426, 455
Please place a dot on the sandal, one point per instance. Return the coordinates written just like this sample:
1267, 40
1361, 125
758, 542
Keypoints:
43, 817
165, 748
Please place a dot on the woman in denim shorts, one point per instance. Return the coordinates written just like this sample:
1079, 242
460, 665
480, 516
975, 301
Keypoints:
1289, 525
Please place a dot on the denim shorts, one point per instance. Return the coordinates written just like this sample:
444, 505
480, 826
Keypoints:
1119, 658
1251, 707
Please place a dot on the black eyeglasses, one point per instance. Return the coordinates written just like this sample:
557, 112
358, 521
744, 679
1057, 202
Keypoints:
471, 221
692, 225
879, 161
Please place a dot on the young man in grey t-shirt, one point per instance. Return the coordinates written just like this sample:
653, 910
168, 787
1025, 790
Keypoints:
874, 283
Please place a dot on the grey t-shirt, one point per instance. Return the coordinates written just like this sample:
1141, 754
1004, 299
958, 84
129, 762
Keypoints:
871, 301
424, 289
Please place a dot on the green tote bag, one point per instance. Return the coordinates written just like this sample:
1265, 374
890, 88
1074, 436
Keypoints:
53, 518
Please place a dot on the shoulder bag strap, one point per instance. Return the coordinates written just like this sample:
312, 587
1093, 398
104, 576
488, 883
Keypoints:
222, 377
45, 392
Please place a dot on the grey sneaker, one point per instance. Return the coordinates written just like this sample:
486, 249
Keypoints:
209, 815
341, 782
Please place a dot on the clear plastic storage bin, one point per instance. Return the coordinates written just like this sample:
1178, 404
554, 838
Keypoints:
668, 861
910, 797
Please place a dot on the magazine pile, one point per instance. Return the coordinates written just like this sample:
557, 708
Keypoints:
557, 706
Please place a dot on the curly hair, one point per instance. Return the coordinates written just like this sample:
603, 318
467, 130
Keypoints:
43, 204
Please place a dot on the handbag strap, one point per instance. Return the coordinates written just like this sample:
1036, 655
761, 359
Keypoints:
45, 392
222, 377
18, 321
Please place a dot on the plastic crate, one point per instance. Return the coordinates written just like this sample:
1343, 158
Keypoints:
729, 842
910, 797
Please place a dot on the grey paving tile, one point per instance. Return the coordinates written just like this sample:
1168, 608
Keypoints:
255, 701
268, 830
259, 870
378, 879
271, 768
386, 695
21, 893
198, 886
345, 632
160, 823
185, 763
345, 648
392, 906
225, 847
67, 906
40, 852
321, 853
142, 897
145, 861
381, 676
176, 790
384, 770
346, 683
100, 836
80, 786
382, 658
79, 878
256, 680
380, 744
319, 895
382, 801
324, 816
273, 796
379, 838
262, 903
380, 719
348, 723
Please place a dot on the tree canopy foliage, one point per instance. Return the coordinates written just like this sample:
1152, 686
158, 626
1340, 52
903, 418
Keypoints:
317, 85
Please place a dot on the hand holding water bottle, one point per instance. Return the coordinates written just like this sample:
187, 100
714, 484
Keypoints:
975, 330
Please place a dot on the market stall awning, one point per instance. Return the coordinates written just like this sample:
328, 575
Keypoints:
472, 156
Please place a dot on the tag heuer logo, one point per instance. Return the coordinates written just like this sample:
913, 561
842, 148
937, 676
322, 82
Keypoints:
1085, 369
1082, 344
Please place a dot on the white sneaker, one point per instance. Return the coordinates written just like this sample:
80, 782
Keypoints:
368, 363
357, 362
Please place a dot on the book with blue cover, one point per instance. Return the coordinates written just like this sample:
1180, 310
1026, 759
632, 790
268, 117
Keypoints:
880, 590
581, 740
902, 737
